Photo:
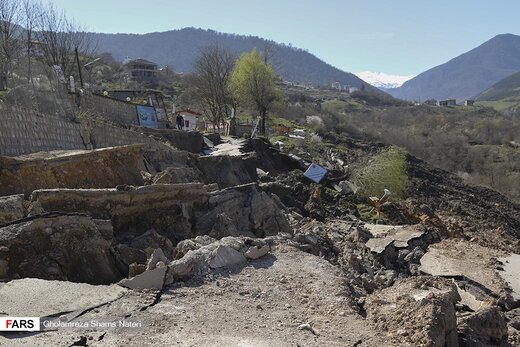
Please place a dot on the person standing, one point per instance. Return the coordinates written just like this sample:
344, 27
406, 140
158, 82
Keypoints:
180, 121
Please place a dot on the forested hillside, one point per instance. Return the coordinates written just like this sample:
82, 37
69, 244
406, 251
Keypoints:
179, 48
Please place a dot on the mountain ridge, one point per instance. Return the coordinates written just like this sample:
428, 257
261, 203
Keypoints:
179, 49
468, 74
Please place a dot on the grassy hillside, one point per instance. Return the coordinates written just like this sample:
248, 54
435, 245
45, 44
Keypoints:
503, 95
478, 144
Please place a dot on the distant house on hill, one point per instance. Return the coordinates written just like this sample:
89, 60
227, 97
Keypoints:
336, 85
142, 70
430, 102
469, 102
190, 118
36, 48
448, 102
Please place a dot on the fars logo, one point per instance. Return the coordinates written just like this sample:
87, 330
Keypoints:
19, 323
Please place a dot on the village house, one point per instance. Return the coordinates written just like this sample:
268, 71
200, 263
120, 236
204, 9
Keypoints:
190, 118
448, 102
142, 70
36, 48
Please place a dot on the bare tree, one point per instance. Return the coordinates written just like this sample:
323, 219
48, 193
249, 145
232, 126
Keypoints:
60, 36
213, 70
9, 43
32, 11
269, 51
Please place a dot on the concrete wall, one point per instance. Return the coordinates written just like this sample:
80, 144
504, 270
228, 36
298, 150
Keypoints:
116, 111
24, 131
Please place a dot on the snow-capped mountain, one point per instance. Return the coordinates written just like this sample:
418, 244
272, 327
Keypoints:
382, 80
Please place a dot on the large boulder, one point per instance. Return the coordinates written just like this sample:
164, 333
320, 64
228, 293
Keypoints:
417, 311
69, 248
485, 327
11, 208
243, 210
208, 254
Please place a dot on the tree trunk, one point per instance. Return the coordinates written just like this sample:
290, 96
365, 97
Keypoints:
3, 82
262, 127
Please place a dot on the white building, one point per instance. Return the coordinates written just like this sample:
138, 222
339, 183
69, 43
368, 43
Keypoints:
191, 119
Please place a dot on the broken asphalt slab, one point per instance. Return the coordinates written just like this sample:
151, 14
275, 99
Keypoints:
511, 273
32, 297
400, 236
462, 259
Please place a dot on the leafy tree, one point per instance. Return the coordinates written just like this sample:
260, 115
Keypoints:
253, 82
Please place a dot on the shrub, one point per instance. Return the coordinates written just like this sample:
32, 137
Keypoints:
387, 169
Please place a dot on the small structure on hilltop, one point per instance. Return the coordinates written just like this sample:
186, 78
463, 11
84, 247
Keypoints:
142, 70
448, 102
36, 48
469, 102
190, 117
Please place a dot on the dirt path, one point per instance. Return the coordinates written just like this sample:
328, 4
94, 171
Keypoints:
264, 304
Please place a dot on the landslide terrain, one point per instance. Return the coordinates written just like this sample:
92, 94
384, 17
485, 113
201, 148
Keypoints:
239, 248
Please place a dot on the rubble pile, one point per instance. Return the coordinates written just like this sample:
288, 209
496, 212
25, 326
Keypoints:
441, 270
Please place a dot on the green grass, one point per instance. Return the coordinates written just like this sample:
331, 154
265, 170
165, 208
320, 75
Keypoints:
387, 169
499, 105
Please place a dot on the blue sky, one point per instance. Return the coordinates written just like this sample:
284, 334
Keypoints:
393, 36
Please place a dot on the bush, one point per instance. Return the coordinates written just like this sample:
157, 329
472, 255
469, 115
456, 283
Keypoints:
387, 169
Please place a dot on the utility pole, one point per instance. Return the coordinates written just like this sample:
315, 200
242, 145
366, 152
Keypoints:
79, 67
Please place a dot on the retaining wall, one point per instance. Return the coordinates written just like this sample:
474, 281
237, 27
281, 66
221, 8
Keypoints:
24, 131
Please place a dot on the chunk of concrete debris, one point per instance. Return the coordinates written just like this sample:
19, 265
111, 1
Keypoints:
486, 327
41, 298
379, 245
470, 300
205, 255
256, 252
187, 266
457, 259
153, 239
401, 236
416, 311
150, 279
225, 256
11, 208
511, 273
72, 248
156, 257
185, 246
153, 275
